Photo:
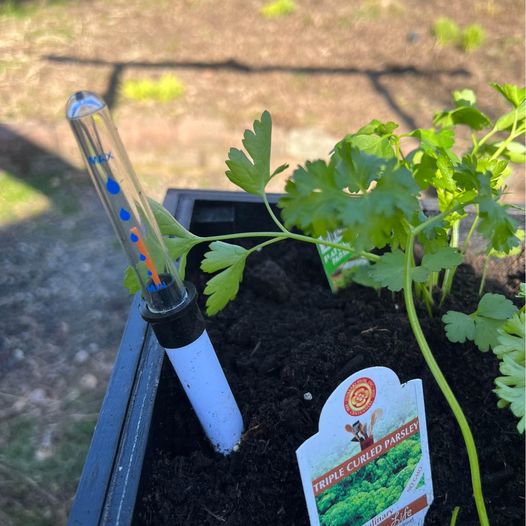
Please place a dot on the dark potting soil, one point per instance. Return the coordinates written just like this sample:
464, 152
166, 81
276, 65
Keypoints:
287, 334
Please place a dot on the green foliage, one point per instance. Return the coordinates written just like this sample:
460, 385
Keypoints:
389, 270
446, 257
253, 175
18, 8
448, 33
166, 89
510, 350
465, 112
361, 275
473, 37
27, 477
369, 190
496, 225
168, 225
513, 94
278, 8
322, 197
480, 326
131, 280
372, 489
224, 286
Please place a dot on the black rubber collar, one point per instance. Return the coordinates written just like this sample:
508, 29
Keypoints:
180, 326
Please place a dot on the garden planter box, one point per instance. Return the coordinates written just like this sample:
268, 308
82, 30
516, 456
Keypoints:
286, 335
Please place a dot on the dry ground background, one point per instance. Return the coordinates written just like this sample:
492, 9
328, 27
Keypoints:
322, 71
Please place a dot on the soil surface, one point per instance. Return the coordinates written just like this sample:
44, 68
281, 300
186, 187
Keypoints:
282, 339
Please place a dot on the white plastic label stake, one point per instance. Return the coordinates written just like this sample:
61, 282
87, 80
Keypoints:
207, 388
368, 465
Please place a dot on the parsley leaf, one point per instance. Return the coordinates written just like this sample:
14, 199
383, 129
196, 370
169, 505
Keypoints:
131, 281
432, 139
482, 325
178, 246
371, 144
513, 94
253, 176
464, 112
495, 306
323, 197
459, 326
446, 257
356, 169
496, 225
467, 115
486, 333
361, 274
384, 129
314, 201
465, 97
222, 255
389, 271
223, 287
168, 225
510, 351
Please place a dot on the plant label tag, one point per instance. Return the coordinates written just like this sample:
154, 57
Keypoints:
368, 465
338, 264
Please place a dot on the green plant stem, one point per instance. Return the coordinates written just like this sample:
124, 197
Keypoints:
475, 142
428, 299
432, 282
278, 223
484, 272
360, 254
422, 226
454, 517
399, 153
442, 383
470, 233
510, 138
449, 274
181, 269
265, 243
289, 235
477, 145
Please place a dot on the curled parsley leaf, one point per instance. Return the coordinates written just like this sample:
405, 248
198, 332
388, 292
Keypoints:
480, 326
253, 175
223, 287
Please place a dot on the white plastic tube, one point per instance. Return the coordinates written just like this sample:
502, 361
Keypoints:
204, 382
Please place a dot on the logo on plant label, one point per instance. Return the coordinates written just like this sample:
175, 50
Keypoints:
360, 396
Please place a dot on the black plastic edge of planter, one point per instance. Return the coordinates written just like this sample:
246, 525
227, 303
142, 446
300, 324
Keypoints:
110, 479
98, 466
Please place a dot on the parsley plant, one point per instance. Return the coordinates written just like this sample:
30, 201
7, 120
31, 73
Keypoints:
370, 189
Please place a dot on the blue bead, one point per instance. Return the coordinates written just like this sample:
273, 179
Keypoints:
124, 214
113, 186
134, 238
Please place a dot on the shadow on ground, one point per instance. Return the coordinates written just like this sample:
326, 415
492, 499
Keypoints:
375, 76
